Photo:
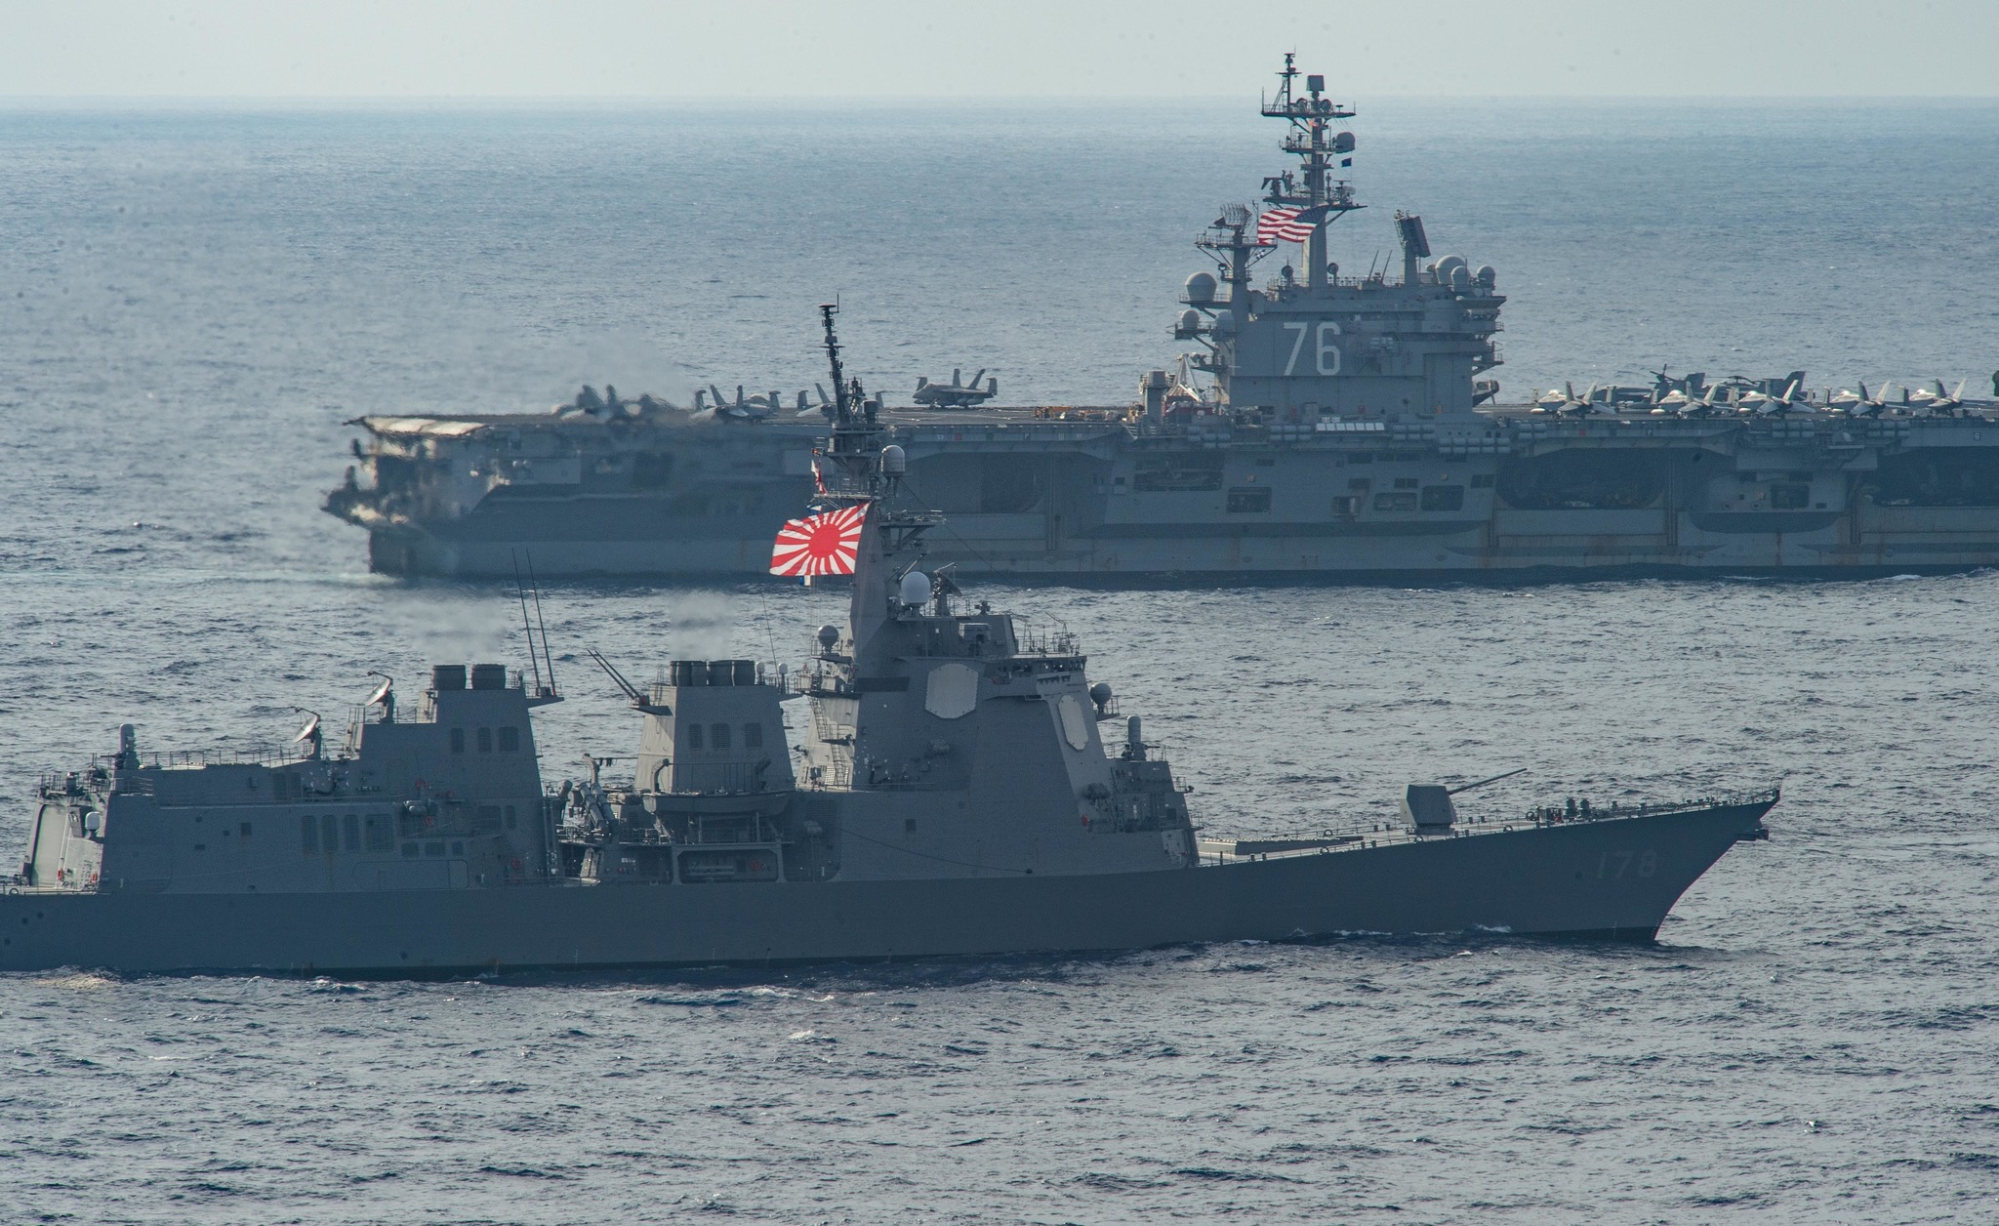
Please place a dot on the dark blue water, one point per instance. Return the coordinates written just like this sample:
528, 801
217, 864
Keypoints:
192, 304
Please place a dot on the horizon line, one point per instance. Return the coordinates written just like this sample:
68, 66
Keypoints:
772, 102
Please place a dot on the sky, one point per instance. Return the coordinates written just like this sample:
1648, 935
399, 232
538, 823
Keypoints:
722, 49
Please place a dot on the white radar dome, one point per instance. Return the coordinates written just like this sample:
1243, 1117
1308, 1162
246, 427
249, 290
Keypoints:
915, 587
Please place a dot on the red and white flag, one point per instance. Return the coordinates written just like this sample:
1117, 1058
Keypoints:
1276, 224
822, 544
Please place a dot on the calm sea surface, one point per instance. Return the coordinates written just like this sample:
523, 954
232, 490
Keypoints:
193, 303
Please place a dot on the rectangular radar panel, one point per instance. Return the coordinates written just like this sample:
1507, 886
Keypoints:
1414, 241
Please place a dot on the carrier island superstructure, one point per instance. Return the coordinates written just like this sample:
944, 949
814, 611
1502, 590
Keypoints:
1321, 423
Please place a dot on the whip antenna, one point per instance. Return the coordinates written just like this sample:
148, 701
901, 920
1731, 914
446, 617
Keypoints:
520, 592
534, 585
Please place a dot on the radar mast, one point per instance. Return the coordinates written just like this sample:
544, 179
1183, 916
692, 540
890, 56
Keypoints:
1323, 196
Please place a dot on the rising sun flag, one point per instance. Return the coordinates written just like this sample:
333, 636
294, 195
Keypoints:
822, 544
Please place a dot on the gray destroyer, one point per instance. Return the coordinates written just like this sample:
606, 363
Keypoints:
951, 791
1320, 423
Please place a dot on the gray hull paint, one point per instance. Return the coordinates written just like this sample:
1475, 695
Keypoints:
1268, 556
1581, 879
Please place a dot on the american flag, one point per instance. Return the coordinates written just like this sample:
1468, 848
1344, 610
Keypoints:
822, 544
1275, 224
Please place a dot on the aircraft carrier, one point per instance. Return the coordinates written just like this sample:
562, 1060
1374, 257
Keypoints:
951, 783
1320, 423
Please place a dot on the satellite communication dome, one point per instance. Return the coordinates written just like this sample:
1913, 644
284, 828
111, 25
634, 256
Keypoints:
894, 464
1224, 321
828, 635
1445, 265
915, 587
1486, 276
1190, 322
1201, 288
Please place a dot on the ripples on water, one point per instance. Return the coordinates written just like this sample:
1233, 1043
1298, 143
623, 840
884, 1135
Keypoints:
201, 300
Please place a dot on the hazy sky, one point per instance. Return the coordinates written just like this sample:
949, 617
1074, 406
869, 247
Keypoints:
1018, 48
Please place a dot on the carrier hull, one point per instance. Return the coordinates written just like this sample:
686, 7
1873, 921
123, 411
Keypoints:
1610, 878
1509, 495
1192, 560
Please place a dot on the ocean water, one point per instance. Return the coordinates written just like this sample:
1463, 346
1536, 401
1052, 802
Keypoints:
192, 303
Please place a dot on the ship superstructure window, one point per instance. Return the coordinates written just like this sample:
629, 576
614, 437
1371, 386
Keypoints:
378, 833
694, 736
511, 820
1481, 481
329, 834
1248, 500
1406, 483
350, 832
510, 739
458, 740
1790, 497
1360, 483
1346, 505
409, 849
308, 835
718, 736
485, 740
1443, 497
753, 736
1395, 502
433, 849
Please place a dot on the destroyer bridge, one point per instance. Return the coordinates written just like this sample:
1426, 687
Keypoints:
1317, 421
